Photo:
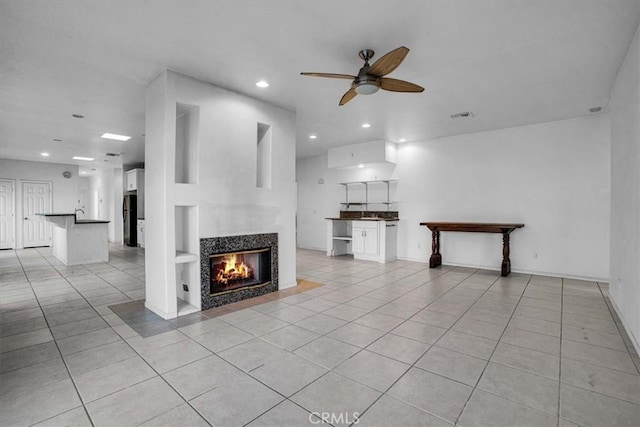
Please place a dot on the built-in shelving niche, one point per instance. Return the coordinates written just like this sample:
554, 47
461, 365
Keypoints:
187, 260
263, 166
187, 125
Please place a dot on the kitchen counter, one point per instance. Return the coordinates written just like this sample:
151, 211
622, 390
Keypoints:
75, 241
49, 217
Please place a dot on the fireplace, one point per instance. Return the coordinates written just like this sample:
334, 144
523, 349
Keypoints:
238, 270
235, 268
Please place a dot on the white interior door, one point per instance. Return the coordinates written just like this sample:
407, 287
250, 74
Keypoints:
82, 204
36, 198
7, 214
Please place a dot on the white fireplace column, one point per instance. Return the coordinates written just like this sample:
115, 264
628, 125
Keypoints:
209, 173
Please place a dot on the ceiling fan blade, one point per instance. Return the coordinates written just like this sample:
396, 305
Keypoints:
388, 62
330, 75
395, 85
348, 96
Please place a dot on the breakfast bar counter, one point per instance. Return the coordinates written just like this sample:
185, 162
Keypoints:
76, 241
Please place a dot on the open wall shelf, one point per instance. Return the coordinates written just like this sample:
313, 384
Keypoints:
364, 201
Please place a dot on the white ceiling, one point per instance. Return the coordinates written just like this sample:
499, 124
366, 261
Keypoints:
509, 62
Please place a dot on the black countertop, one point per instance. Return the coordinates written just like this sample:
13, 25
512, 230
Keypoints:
77, 221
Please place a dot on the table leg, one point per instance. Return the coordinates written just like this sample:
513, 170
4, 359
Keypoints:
436, 258
506, 262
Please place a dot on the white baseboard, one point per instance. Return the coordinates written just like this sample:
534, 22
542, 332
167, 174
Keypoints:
161, 313
625, 325
312, 248
497, 268
282, 286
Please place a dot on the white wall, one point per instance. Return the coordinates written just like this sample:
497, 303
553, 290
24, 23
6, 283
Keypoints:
65, 191
553, 177
228, 202
625, 192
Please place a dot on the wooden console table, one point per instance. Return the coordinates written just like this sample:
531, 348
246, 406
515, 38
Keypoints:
472, 227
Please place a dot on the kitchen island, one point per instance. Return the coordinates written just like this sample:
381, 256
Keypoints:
77, 241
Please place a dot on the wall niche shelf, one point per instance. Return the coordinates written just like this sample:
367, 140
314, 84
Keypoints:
185, 308
364, 204
186, 143
187, 260
184, 257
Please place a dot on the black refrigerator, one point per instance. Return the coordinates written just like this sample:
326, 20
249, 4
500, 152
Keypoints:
130, 219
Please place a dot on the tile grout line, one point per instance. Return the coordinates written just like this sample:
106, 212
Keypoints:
127, 343
426, 351
370, 311
560, 354
332, 369
75, 387
475, 387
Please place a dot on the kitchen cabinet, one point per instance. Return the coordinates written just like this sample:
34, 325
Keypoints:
365, 238
135, 179
140, 232
374, 240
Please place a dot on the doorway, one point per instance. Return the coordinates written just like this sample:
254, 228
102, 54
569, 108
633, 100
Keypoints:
7, 214
36, 198
82, 204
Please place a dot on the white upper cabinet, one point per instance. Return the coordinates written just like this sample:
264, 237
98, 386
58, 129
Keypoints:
135, 179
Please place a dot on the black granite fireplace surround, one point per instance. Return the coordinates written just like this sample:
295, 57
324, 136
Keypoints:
232, 245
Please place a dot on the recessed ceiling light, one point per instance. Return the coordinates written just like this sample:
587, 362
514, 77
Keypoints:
57, 140
366, 125
262, 83
78, 116
313, 136
402, 140
44, 154
115, 137
360, 165
83, 172
89, 159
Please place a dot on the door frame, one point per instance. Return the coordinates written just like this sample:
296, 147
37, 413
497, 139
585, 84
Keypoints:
15, 208
33, 181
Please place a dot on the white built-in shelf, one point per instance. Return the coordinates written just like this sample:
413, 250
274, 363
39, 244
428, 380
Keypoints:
183, 257
185, 308
347, 238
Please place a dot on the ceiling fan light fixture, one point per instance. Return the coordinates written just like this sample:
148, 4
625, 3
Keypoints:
367, 88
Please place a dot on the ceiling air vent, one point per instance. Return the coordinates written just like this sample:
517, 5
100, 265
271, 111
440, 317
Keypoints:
465, 115
112, 154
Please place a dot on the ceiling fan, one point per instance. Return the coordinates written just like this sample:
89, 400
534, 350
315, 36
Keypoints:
371, 78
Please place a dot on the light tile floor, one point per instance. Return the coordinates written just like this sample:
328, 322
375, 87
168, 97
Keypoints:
387, 345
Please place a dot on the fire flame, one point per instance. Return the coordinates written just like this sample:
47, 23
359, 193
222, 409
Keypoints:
233, 270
